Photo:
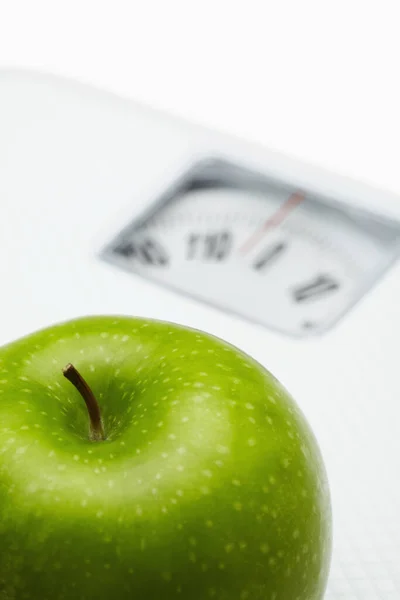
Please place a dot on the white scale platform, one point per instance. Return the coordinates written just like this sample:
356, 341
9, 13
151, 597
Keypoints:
110, 207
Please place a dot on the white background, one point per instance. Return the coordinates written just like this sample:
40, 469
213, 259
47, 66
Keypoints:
317, 79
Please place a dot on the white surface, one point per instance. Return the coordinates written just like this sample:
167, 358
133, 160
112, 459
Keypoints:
315, 79
74, 164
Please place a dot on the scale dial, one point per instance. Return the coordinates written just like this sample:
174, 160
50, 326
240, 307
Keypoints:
271, 253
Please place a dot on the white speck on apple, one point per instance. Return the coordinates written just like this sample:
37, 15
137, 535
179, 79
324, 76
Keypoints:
32, 488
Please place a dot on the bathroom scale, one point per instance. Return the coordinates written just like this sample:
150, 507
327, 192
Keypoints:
111, 207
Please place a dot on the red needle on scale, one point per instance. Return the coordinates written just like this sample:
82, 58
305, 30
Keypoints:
290, 204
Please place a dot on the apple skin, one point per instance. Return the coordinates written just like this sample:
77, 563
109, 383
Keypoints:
210, 483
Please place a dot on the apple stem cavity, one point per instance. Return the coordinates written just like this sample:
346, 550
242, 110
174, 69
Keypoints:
96, 424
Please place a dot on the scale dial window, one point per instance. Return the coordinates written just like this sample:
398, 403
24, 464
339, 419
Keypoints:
274, 254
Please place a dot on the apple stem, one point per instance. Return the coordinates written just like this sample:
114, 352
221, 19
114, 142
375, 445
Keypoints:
96, 423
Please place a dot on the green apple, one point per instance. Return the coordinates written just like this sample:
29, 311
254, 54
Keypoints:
189, 474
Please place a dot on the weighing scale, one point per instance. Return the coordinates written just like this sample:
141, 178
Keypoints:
111, 207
